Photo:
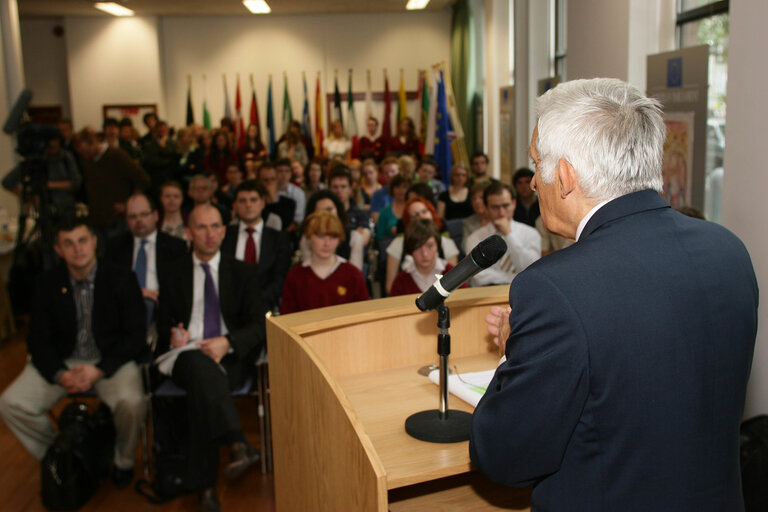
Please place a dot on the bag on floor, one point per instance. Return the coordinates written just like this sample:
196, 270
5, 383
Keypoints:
79, 459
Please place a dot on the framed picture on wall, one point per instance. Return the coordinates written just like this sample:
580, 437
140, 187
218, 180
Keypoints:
134, 112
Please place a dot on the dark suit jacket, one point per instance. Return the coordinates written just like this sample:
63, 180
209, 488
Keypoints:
118, 319
168, 250
627, 367
239, 300
274, 261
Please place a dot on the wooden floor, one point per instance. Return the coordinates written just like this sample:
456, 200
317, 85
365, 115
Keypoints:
20, 473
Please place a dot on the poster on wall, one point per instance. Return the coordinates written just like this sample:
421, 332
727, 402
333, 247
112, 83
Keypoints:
133, 112
677, 168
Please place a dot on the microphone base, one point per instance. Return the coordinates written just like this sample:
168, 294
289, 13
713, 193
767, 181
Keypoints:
429, 426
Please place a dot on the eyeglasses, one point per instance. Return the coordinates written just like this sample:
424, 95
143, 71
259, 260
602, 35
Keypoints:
140, 215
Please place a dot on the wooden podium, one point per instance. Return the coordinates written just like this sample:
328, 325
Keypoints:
343, 380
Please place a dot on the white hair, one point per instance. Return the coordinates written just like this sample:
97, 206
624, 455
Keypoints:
610, 133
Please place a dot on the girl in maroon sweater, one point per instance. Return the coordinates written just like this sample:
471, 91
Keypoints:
421, 263
325, 279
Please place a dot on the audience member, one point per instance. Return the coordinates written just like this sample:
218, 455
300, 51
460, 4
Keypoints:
370, 145
325, 279
337, 143
405, 141
421, 190
455, 203
288, 189
417, 208
159, 157
386, 224
220, 155
390, 167
251, 241
421, 264
369, 183
479, 163
150, 121
352, 247
480, 216
201, 191
172, 220
213, 302
111, 130
77, 343
527, 209
67, 135
252, 143
340, 183
128, 139
282, 206
313, 178
189, 156
234, 178
292, 145
355, 173
407, 166
297, 175
523, 241
429, 174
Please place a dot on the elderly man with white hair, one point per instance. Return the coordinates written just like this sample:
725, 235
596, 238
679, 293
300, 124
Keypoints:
627, 354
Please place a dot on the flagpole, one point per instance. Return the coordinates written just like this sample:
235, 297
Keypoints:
458, 143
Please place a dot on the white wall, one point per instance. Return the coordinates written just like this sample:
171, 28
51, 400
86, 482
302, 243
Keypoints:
45, 62
265, 45
745, 180
598, 44
112, 61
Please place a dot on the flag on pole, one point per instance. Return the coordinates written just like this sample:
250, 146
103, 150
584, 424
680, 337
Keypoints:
386, 124
306, 122
443, 155
402, 108
368, 96
239, 128
423, 105
429, 140
318, 118
227, 111
254, 115
351, 119
337, 101
270, 121
190, 113
206, 114
287, 110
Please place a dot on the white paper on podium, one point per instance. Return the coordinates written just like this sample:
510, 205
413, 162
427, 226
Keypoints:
470, 388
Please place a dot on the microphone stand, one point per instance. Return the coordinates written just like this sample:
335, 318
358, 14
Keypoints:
441, 425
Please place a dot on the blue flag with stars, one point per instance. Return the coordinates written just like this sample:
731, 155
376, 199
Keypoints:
443, 134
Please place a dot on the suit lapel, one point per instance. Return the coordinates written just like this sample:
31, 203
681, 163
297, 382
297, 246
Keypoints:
186, 285
225, 283
67, 309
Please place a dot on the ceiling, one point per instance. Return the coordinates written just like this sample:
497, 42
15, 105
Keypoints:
47, 8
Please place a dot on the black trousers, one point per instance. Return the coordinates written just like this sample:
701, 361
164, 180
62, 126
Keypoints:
211, 414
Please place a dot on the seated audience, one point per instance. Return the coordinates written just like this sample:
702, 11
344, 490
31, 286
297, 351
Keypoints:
172, 220
213, 301
202, 191
281, 206
455, 203
337, 144
429, 173
252, 241
421, 264
417, 208
352, 248
369, 183
479, 218
292, 145
76, 343
527, 209
390, 167
523, 241
386, 224
325, 279
288, 189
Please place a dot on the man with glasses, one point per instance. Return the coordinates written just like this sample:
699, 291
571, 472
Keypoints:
523, 242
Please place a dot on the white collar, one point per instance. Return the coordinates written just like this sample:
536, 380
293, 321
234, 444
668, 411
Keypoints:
256, 227
339, 261
213, 263
151, 239
586, 218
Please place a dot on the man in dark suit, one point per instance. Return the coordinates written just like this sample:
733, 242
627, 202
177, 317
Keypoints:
628, 353
253, 242
86, 331
212, 302
145, 250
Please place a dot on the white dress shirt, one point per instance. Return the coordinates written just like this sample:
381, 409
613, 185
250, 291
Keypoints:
242, 238
150, 248
590, 213
523, 248
195, 326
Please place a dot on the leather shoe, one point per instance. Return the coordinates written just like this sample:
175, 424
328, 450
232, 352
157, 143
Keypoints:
243, 456
209, 502
122, 478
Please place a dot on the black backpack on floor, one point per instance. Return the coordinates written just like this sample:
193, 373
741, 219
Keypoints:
79, 459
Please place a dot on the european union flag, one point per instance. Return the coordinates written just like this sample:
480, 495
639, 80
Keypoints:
443, 134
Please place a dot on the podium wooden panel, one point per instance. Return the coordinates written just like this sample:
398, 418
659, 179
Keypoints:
344, 379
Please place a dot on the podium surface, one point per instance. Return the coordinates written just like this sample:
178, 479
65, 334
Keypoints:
344, 379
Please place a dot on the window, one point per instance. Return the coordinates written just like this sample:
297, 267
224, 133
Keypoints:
707, 22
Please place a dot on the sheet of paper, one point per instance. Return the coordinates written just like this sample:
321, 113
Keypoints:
470, 387
166, 361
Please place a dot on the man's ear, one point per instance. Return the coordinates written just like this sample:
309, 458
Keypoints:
566, 177
57, 250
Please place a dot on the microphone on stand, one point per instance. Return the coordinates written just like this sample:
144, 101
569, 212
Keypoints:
485, 254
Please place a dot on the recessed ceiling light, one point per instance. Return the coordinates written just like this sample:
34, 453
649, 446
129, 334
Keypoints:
257, 6
113, 9
412, 5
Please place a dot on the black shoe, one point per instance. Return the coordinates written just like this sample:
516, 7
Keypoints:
209, 502
122, 478
243, 456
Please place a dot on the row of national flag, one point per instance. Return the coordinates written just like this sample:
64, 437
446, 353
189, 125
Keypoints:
435, 119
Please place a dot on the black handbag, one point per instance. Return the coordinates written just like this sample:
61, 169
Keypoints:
79, 459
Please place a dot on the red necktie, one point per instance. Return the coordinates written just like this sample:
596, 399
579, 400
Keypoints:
250, 248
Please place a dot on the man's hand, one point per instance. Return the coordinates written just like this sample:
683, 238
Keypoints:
502, 226
80, 378
150, 294
179, 336
215, 348
497, 323
69, 381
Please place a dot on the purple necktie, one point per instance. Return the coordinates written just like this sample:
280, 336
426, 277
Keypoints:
211, 314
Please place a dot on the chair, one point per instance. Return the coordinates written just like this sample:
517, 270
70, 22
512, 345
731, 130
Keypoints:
454, 228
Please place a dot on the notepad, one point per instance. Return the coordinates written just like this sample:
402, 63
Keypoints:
470, 387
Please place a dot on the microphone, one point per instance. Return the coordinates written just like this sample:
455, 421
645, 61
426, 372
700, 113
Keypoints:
16, 116
487, 252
